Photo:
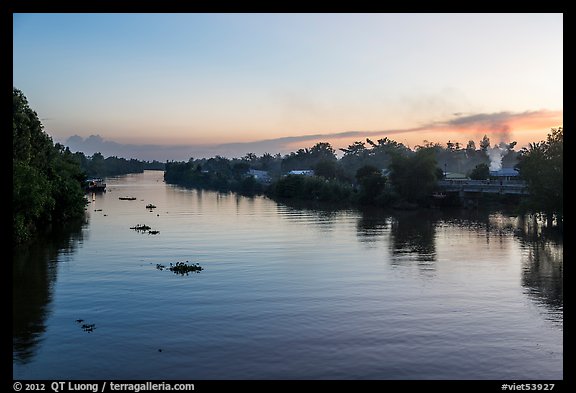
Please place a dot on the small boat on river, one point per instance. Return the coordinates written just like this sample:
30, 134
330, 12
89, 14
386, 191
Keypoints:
95, 184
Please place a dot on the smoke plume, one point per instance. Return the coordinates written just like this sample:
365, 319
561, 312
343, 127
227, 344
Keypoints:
496, 154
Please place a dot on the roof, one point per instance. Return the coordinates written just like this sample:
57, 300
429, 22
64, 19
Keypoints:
504, 172
301, 172
257, 172
454, 175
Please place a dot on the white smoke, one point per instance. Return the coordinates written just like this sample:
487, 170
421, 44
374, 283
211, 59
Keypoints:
496, 154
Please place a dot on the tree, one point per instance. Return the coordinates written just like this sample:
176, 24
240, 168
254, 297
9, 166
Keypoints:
371, 183
322, 151
381, 152
480, 172
240, 169
250, 157
46, 178
414, 176
485, 143
356, 149
308, 158
266, 161
326, 169
541, 165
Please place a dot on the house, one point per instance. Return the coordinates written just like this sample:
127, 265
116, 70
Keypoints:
455, 176
261, 176
505, 174
304, 172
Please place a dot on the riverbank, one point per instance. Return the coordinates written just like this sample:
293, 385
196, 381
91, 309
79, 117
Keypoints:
300, 190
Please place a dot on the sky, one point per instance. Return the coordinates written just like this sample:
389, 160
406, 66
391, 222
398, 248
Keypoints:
174, 86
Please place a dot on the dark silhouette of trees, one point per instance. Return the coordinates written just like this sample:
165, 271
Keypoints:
480, 172
46, 178
541, 166
485, 143
372, 184
355, 155
98, 166
308, 158
380, 173
328, 169
414, 176
322, 151
311, 188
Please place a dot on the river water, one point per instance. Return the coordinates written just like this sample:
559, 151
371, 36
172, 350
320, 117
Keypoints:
285, 292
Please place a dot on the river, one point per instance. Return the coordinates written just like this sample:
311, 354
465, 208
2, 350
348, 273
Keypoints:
285, 292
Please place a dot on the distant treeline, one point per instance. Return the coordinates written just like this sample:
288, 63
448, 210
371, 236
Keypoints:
98, 166
409, 177
384, 173
48, 180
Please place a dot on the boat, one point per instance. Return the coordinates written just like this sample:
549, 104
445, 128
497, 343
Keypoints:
95, 184
439, 195
127, 198
150, 206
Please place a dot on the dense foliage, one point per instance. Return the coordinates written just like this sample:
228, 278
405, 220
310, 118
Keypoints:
480, 172
98, 166
541, 164
218, 173
46, 179
414, 176
311, 188
382, 173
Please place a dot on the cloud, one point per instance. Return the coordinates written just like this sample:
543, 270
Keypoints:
498, 124
490, 121
96, 144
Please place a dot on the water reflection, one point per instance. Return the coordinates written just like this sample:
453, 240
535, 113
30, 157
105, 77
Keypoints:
413, 233
323, 217
33, 277
542, 264
412, 237
372, 225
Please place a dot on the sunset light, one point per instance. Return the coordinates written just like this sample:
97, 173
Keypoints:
186, 84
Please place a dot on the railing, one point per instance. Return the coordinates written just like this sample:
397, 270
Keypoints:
481, 186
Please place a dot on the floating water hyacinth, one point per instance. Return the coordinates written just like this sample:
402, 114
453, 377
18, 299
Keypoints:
142, 227
87, 327
182, 268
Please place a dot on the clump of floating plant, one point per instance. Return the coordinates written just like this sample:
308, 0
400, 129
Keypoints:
145, 228
141, 227
87, 327
182, 268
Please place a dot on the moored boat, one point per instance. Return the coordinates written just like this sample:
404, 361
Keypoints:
95, 184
